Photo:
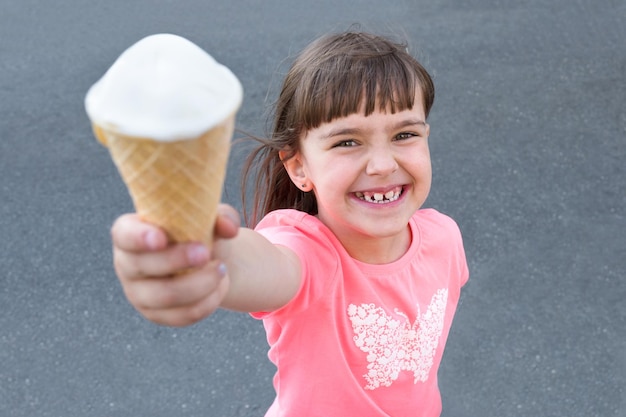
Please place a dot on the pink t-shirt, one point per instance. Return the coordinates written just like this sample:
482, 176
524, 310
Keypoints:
360, 339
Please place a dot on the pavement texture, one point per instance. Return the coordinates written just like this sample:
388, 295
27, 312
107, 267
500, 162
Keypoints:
528, 140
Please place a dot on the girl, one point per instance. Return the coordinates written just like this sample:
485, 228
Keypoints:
356, 285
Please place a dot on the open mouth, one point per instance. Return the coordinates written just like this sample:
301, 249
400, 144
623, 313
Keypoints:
380, 197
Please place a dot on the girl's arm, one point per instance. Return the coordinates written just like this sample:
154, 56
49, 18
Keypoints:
179, 284
263, 276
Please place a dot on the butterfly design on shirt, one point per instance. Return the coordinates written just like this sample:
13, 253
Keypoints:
393, 344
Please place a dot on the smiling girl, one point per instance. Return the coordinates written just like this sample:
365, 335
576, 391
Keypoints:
356, 284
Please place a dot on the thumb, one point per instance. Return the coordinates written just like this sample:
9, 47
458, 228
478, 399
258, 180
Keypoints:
227, 222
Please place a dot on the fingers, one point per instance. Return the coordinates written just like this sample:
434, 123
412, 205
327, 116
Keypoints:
141, 250
131, 234
174, 284
175, 291
186, 314
166, 262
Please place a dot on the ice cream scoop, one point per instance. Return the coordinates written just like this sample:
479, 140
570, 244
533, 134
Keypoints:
166, 88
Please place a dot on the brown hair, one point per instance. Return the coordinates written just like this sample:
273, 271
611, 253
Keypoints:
331, 78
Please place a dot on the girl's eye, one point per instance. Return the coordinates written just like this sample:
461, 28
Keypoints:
405, 135
344, 143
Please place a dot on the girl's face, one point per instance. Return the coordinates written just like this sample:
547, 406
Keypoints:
369, 175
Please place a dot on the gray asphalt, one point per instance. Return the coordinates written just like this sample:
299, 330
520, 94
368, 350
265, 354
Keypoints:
528, 140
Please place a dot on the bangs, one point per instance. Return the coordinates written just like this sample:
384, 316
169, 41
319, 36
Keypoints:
363, 78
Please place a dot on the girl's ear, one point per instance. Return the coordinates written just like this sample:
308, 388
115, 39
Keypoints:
295, 168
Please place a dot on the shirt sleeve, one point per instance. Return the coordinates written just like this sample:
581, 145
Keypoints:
462, 264
445, 236
311, 242
459, 259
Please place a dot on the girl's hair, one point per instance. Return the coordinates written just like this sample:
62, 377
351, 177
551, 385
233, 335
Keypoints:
335, 76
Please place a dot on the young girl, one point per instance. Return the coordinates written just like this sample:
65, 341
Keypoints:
356, 285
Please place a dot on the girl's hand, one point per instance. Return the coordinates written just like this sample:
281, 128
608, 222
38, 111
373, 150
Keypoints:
171, 284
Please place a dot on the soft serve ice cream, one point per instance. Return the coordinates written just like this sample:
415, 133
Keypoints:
166, 111
165, 88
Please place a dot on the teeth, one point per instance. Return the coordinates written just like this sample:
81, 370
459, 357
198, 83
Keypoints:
380, 198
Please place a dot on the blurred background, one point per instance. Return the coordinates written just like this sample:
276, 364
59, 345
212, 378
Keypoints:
528, 141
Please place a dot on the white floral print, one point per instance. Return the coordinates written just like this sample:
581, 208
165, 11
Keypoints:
395, 345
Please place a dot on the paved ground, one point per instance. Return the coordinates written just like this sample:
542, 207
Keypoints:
528, 141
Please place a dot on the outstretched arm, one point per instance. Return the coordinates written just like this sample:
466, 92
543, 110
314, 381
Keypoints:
179, 284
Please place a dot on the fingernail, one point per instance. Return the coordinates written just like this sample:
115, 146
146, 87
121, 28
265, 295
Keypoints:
233, 217
197, 254
222, 270
152, 240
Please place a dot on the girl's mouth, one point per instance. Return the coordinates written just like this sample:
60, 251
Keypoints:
379, 197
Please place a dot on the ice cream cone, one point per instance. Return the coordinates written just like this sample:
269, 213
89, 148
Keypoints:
166, 111
176, 185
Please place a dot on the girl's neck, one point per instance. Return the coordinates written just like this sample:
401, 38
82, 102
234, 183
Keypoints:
376, 250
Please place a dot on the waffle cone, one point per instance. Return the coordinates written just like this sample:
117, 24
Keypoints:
174, 185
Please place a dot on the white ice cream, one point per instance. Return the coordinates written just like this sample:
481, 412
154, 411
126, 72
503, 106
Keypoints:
166, 88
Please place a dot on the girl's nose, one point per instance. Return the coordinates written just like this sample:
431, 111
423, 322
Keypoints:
381, 162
